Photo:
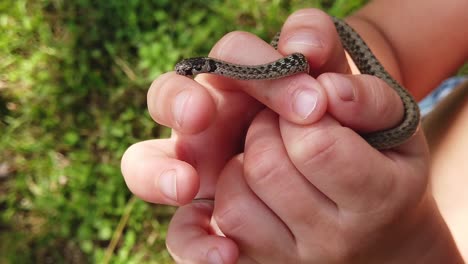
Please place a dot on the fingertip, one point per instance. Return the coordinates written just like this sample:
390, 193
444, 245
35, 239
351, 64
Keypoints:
362, 102
225, 251
180, 103
156, 177
313, 33
191, 239
179, 183
206, 248
307, 100
193, 110
254, 49
301, 33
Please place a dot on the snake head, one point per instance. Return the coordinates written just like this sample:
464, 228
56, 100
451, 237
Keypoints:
194, 66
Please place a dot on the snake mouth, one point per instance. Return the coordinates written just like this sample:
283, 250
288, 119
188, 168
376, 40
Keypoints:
194, 66
181, 68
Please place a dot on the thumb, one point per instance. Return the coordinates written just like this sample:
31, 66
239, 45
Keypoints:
368, 105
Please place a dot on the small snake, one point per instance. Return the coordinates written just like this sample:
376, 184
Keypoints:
295, 63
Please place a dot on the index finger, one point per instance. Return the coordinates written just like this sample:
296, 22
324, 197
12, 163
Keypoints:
299, 98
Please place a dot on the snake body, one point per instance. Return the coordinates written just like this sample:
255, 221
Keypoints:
295, 63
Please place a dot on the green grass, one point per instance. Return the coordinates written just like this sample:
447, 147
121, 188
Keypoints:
73, 82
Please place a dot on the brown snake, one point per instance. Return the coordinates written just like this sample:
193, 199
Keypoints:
362, 56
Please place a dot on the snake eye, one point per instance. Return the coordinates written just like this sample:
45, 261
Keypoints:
197, 68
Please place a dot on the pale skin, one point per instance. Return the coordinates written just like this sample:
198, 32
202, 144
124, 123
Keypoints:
293, 183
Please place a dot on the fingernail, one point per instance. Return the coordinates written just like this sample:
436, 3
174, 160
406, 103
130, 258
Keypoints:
307, 39
214, 257
304, 102
167, 184
343, 87
178, 108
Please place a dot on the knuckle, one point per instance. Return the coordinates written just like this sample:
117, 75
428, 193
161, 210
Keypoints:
262, 164
383, 99
314, 147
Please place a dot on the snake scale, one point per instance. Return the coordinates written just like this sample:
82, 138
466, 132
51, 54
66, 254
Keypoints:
295, 63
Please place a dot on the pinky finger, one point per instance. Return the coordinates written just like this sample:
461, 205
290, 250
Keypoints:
153, 173
191, 239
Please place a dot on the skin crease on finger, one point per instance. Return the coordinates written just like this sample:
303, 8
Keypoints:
238, 212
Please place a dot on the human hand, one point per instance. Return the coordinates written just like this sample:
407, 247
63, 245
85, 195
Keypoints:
318, 193
209, 117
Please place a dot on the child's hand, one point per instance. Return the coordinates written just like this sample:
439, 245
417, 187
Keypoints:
320, 194
211, 114
317, 192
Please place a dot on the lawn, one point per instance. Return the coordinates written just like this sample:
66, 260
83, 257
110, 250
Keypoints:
73, 83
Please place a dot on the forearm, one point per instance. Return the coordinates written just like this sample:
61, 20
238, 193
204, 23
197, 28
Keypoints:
420, 42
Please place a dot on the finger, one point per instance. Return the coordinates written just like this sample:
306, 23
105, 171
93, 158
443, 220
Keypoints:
346, 169
312, 33
362, 102
274, 179
153, 172
180, 103
244, 218
191, 239
298, 98
209, 125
